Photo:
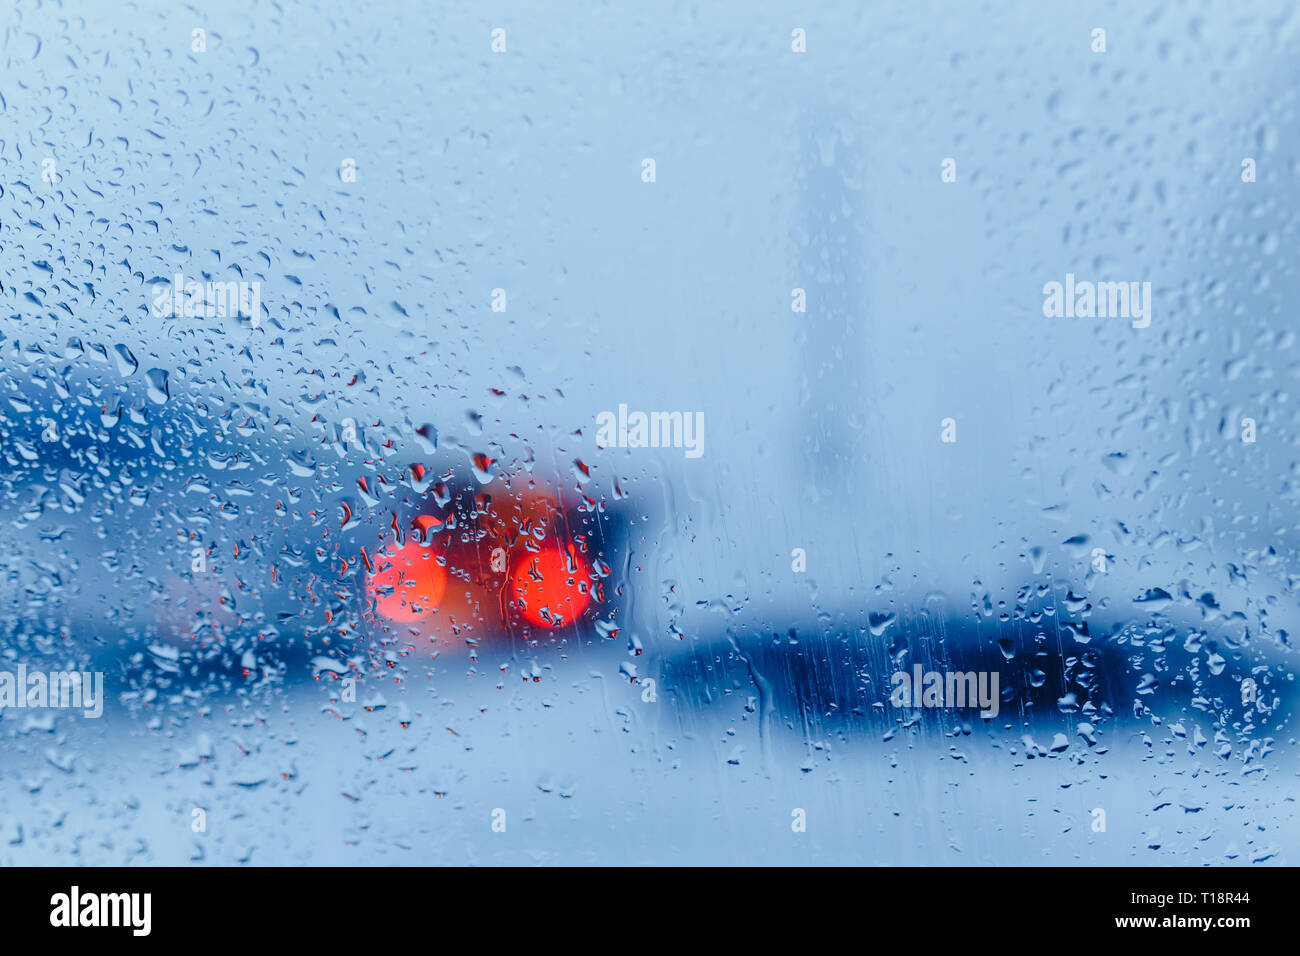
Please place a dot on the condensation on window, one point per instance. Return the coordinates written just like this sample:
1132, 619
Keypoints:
647, 435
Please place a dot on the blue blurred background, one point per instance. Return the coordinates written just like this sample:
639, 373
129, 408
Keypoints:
717, 690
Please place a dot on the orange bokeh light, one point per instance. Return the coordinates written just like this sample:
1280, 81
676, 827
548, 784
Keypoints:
407, 584
542, 581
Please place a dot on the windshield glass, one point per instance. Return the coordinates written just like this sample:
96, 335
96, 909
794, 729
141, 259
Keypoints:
648, 436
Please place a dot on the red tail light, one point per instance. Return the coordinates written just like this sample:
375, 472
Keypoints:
551, 587
407, 584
